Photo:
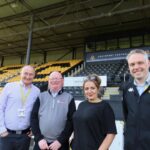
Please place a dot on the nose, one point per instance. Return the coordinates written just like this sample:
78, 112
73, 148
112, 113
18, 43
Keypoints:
89, 91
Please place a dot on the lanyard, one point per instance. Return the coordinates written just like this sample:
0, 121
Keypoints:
23, 95
145, 87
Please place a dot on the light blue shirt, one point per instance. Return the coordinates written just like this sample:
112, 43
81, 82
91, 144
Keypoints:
144, 86
11, 102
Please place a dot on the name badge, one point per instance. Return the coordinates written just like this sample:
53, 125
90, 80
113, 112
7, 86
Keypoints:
21, 112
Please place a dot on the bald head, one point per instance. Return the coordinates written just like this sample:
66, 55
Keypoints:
28, 67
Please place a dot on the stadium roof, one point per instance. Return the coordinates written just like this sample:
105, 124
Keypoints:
64, 24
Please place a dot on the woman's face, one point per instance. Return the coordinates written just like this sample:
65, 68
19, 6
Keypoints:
90, 90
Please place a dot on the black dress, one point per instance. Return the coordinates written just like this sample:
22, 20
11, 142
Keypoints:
92, 121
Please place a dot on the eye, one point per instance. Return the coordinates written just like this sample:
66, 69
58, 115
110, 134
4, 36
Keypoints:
86, 88
92, 88
131, 65
141, 63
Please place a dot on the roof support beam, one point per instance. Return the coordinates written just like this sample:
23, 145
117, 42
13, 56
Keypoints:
29, 41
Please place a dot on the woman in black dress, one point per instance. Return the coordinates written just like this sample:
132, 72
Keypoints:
94, 121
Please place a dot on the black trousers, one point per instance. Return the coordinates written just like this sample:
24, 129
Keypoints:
15, 142
63, 147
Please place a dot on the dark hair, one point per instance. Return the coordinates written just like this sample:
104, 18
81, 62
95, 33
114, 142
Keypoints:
95, 79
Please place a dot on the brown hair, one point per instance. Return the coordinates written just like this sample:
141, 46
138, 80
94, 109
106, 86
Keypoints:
95, 79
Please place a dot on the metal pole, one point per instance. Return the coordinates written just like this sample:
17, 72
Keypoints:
45, 56
29, 41
22, 59
2, 61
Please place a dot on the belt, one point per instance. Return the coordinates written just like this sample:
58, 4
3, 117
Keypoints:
19, 131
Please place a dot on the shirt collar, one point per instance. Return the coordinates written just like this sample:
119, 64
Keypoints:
23, 85
58, 93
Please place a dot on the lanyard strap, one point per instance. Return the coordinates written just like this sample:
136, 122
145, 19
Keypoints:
146, 87
23, 95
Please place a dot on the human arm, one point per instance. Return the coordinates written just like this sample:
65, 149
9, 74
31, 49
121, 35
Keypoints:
109, 127
107, 142
3, 105
35, 121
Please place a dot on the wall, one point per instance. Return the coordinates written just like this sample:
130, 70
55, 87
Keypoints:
39, 57
11, 60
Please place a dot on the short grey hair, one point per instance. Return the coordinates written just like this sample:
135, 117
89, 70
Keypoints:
55, 72
137, 51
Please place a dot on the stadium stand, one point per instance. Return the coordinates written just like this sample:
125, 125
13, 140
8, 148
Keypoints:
114, 70
85, 29
68, 67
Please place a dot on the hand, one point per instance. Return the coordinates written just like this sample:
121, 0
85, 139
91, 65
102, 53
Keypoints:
55, 145
43, 144
4, 134
29, 134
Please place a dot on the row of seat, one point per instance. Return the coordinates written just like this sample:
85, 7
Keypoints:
40, 79
113, 70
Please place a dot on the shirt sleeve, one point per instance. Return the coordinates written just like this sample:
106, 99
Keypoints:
109, 120
3, 105
35, 121
66, 133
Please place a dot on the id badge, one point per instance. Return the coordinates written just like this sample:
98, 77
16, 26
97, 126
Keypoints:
21, 112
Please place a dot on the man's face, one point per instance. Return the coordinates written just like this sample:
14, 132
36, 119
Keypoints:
55, 81
138, 66
27, 75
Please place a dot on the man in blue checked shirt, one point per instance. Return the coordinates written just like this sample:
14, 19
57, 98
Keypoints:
16, 102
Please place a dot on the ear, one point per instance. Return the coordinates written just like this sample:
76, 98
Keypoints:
63, 81
35, 73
